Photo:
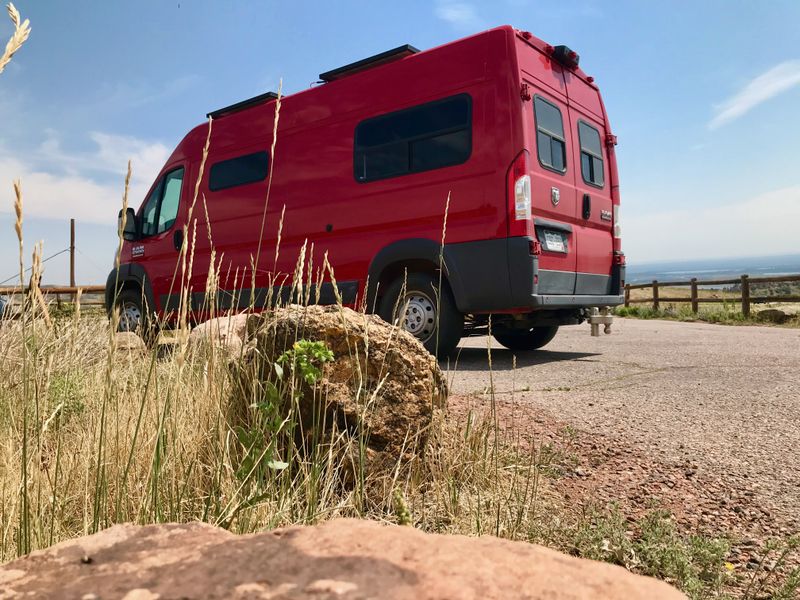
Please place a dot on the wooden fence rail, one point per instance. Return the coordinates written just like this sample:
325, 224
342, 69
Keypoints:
89, 293
745, 298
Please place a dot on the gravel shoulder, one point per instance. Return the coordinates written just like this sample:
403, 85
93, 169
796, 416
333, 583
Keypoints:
704, 418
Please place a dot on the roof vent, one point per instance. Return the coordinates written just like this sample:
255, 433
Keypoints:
368, 63
242, 105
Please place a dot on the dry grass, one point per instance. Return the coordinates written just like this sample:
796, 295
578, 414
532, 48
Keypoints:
22, 30
94, 436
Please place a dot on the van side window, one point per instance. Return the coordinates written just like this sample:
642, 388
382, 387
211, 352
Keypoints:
150, 212
161, 208
170, 200
241, 170
425, 137
591, 154
550, 142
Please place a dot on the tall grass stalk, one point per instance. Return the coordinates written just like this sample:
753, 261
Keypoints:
22, 30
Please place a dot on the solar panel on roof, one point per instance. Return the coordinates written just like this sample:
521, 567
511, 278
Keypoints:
368, 63
221, 112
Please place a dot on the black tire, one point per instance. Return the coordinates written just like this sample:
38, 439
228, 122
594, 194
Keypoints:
134, 314
526, 339
431, 317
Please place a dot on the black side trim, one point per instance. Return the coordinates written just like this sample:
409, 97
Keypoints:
366, 63
487, 271
221, 112
128, 273
556, 282
548, 224
241, 299
618, 279
484, 275
588, 284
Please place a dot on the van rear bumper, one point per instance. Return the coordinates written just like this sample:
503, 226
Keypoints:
564, 301
501, 275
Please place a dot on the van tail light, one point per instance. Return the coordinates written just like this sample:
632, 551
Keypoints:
619, 258
617, 224
522, 198
519, 195
535, 247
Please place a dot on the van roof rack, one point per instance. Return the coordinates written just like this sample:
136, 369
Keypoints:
368, 63
221, 112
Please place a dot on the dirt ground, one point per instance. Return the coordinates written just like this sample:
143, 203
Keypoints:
701, 419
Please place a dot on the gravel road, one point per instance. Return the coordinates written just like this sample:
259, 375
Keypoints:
723, 399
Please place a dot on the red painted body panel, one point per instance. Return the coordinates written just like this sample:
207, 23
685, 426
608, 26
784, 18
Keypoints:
313, 184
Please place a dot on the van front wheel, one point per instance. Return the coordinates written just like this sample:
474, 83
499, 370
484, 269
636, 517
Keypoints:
416, 304
526, 339
133, 313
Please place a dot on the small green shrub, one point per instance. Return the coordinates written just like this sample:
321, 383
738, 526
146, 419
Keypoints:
653, 547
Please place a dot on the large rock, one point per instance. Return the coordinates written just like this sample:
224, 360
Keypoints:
382, 386
345, 559
226, 334
130, 343
773, 315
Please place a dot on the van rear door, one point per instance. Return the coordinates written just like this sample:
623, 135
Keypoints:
593, 231
553, 195
549, 138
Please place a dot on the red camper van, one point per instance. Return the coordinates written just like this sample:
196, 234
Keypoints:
507, 127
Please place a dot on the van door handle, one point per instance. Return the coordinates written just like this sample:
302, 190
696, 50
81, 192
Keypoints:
177, 239
587, 206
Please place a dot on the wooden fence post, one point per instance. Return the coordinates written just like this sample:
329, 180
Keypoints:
655, 295
745, 296
627, 294
72, 253
695, 303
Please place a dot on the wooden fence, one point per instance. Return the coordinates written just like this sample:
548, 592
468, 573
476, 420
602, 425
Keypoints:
91, 295
745, 281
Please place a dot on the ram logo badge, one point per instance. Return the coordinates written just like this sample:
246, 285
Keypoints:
555, 195
137, 251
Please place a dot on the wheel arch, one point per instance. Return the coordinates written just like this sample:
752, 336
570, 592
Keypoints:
410, 255
128, 276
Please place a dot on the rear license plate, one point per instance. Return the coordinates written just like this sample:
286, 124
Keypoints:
554, 241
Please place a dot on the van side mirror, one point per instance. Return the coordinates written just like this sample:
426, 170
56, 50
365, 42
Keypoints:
130, 231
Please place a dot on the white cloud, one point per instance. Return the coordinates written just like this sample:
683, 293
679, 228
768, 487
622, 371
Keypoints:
777, 80
763, 225
87, 186
461, 15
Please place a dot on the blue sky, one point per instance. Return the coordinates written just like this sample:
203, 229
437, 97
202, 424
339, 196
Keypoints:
703, 97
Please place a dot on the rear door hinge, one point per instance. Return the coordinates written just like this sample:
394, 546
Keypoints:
611, 139
525, 92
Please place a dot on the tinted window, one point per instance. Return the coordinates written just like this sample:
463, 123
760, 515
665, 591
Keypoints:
552, 148
430, 136
591, 154
241, 170
161, 209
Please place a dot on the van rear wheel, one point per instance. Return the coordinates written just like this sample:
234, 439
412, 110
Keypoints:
526, 339
416, 304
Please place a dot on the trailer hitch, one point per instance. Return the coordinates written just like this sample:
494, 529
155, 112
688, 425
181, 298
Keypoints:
600, 316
